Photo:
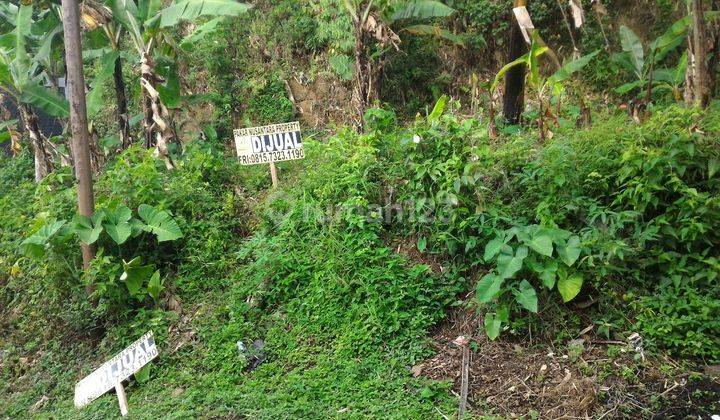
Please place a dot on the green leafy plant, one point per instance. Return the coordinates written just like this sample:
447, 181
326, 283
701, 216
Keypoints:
547, 254
24, 64
148, 25
119, 224
543, 86
640, 60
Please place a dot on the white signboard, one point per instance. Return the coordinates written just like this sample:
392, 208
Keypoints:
270, 143
524, 21
116, 370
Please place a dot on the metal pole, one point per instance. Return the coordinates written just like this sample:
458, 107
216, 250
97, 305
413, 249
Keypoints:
78, 118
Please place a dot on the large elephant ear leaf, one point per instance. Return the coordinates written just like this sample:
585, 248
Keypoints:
117, 223
160, 223
38, 242
135, 274
88, 229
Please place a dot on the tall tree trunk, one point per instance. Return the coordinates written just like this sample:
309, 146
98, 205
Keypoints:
361, 76
78, 120
122, 109
514, 96
697, 90
43, 163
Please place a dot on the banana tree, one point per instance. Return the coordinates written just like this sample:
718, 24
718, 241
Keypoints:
544, 87
640, 60
150, 28
98, 17
22, 77
376, 24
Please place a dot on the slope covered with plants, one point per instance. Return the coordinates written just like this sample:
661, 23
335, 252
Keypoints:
572, 257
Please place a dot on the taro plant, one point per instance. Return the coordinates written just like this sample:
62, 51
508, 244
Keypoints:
533, 252
119, 226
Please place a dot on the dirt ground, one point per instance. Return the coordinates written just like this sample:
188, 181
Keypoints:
585, 378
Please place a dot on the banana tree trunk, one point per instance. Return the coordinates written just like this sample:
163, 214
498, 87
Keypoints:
157, 117
43, 163
122, 109
514, 97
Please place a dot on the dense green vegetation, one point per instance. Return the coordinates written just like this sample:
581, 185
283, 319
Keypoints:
329, 295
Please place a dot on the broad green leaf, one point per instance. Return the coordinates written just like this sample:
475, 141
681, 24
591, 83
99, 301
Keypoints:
45, 99
488, 287
568, 69
87, 229
548, 279
134, 275
170, 90
43, 53
89, 55
189, 10
623, 60
117, 223
545, 270
160, 223
435, 31
148, 8
155, 286
8, 12
126, 12
681, 69
527, 297
492, 248
632, 45
570, 286
571, 251
23, 25
95, 96
422, 243
671, 39
38, 242
508, 264
492, 326
421, 9
628, 87
542, 244
201, 32
713, 167
523, 60
438, 109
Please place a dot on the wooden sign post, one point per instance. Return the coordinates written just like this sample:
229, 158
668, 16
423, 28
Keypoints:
269, 144
111, 374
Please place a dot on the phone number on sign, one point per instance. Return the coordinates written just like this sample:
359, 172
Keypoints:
268, 157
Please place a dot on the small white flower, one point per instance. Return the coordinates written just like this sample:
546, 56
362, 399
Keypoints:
416, 139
